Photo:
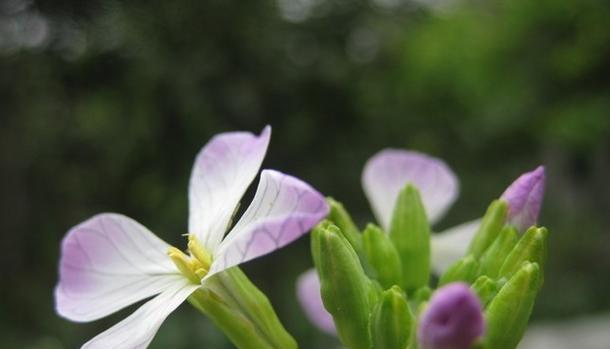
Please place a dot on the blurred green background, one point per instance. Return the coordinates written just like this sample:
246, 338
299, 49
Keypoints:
104, 104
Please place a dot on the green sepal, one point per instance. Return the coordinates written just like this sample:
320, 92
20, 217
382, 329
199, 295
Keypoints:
465, 269
493, 258
240, 330
347, 293
531, 247
509, 312
410, 233
392, 321
491, 224
486, 288
239, 293
339, 216
381, 256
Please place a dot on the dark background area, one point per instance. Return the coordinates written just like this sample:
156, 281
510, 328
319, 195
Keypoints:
104, 105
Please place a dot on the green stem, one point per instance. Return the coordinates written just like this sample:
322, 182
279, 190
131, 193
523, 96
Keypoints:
242, 311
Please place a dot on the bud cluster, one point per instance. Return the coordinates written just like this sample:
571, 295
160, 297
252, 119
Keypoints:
377, 285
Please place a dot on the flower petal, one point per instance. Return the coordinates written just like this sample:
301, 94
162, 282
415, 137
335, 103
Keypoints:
388, 171
451, 245
283, 209
308, 293
138, 330
109, 262
222, 172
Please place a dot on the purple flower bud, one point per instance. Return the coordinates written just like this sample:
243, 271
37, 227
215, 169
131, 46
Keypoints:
452, 320
524, 197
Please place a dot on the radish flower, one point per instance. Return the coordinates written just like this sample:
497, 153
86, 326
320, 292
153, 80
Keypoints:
111, 261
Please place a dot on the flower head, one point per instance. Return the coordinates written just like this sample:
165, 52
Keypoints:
383, 177
452, 320
524, 197
111, 261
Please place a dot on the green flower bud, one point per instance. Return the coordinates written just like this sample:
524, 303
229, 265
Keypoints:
493, 258
347, 293
464, 269
486, 288
421, 295
410, 233
339, 216
382, 257
492, 223
507, 315
392, 321
532, 247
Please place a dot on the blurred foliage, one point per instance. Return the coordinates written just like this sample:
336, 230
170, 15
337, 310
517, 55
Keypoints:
105, 104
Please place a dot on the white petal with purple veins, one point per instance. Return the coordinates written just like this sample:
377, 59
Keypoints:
138, 330
109, 262
222, 172
283, 209
387, 172
451, 244
308, 292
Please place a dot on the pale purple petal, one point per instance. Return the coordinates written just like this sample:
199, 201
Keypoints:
283, 209
109, 262
139, 329
308, 293
450, 245
453, 319
222, 172
524, 197
388, 171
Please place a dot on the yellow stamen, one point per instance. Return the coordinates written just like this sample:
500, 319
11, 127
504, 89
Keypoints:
184, 263
194, 266
199, 252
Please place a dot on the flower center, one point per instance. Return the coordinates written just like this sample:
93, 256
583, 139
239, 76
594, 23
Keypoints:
196, 264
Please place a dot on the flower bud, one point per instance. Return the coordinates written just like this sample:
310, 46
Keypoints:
381, 256
507, 315
464, 270
392, 321
492, 260
490, 227
452, 320
486, 288
347, 293
339, 216
531, 247
524, 197
410, 233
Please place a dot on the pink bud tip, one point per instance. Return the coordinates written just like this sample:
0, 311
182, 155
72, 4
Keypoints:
524, 198
452, 320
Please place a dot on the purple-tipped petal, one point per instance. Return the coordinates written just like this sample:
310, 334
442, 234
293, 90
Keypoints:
388, 171
137, 330
308, 293
107, 263
524, 197
222, 172
283, 209
452, 320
